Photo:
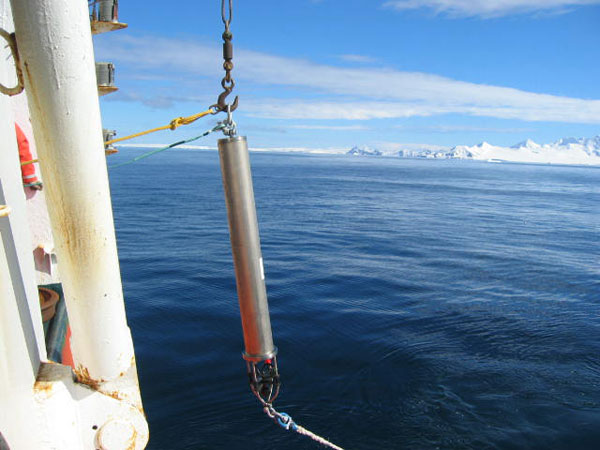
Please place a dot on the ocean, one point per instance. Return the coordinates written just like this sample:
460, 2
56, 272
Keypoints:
416, 304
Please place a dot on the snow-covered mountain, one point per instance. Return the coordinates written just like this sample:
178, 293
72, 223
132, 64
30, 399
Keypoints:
584, 151
563, 151
526, 144
364, 151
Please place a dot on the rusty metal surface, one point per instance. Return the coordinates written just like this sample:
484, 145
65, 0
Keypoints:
106, 418
104, 90
48, 374
99, 27
125, 387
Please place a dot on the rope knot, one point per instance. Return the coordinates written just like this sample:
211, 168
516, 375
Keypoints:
176, 123
286, 422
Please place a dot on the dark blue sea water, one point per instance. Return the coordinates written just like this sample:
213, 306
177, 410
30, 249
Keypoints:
416, 304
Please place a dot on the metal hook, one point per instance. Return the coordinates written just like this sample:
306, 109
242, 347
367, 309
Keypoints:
221, 105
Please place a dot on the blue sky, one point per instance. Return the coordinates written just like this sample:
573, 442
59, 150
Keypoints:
338, 73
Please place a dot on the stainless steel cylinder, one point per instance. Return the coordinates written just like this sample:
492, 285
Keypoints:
105, 74
107, 11
245, 246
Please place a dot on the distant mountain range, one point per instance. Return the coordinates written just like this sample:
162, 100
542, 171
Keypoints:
364, 151
585, 151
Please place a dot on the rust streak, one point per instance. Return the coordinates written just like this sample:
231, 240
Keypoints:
114, 394
43, 387
131, 445
83, 376
48, 373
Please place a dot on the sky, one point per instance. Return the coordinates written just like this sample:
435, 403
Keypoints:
388, 74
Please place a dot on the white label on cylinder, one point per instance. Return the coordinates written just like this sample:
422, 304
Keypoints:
262, 269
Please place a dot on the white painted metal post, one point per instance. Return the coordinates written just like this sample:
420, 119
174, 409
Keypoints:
55, 45
21, 334
11, 192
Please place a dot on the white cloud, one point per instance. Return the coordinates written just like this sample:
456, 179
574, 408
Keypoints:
487, 8
441, 128
329, 127
357, 58
315, 150
567, 110
331, 92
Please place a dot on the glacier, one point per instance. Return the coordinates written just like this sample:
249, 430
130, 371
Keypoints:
577, 151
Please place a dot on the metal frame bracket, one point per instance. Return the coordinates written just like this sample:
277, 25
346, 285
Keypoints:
12, 43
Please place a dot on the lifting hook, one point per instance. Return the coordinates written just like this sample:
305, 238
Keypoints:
227, 81
221, 105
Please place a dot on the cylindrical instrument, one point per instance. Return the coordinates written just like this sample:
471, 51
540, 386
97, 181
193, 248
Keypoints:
107, 10
245, 246
105, 73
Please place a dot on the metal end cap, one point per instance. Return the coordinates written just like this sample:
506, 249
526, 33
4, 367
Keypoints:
231, 139
261, 357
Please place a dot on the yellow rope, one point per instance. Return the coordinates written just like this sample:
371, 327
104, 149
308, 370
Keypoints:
4, 210
174, 124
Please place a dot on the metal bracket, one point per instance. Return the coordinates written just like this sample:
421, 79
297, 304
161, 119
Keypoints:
12, 43
264, 380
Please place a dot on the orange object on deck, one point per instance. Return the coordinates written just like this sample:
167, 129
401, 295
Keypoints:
67, 356
28, 170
